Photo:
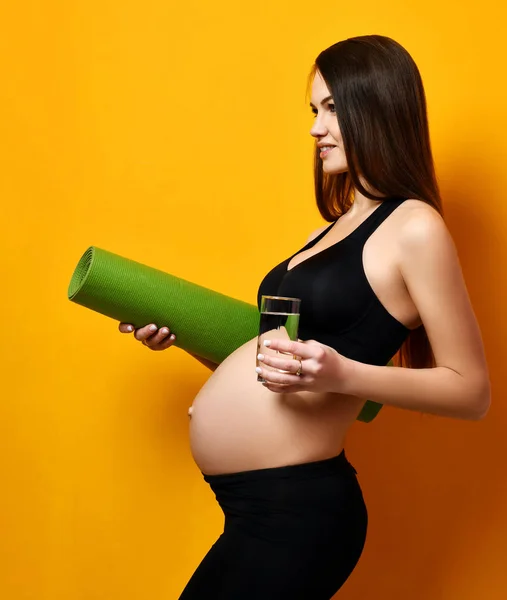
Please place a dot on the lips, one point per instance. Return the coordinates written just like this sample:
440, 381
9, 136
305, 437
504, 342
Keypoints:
324, 153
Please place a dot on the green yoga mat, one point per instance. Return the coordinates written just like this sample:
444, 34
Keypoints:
206, 323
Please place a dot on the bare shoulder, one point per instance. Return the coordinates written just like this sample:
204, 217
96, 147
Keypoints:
423, 241
414, 210
420, 223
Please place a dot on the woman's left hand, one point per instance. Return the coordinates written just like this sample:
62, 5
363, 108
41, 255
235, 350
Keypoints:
322, 368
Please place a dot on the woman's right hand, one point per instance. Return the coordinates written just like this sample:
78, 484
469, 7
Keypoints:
149, 336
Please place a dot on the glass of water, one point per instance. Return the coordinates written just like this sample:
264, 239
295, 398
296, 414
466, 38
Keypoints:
279, 319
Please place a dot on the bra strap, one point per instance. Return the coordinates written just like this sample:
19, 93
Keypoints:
365, 230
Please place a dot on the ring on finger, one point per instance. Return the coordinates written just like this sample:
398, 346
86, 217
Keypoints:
299, 372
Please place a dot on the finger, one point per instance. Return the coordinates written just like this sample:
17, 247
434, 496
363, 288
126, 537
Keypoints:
144, 333
126, 327
279, 363
298, 348
166, 343
161, 336
283, 379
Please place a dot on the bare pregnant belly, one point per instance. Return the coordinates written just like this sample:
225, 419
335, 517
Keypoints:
238, 425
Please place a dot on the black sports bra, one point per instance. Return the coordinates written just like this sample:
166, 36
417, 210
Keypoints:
338, 306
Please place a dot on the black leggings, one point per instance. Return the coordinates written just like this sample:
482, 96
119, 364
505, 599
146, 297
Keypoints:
291, 533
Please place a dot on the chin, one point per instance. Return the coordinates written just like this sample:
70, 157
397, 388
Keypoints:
334, 169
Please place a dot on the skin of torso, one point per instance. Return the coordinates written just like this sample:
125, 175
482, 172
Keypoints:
238, 425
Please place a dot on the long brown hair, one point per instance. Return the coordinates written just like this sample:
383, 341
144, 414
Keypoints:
380, 105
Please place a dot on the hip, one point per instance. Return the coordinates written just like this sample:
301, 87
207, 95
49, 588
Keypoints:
295, 531
318, 499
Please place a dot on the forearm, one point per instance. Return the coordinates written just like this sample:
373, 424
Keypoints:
205, 362
439, 391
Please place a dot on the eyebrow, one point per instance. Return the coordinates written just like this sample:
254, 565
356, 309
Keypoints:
322, 102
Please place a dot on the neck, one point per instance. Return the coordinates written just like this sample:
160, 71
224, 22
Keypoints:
363, 205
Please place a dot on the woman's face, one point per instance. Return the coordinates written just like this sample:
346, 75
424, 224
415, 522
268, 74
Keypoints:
326, 129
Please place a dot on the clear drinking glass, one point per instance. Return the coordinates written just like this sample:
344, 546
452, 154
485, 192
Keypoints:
279, 318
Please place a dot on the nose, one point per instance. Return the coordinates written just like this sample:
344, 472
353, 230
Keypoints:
318, 130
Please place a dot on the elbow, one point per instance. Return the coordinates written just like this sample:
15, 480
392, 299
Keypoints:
478, 411
480, 402
482, 408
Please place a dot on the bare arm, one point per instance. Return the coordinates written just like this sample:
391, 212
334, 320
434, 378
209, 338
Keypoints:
459, 385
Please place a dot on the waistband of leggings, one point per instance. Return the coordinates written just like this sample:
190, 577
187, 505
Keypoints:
311, 469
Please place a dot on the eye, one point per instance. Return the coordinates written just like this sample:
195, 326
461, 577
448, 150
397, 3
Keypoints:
330, 105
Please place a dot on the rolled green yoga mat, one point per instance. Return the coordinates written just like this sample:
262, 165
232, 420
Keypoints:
206, 323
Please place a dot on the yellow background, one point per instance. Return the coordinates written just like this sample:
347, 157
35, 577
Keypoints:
177, 134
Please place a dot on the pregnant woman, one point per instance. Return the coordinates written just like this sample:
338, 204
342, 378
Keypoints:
382, 279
